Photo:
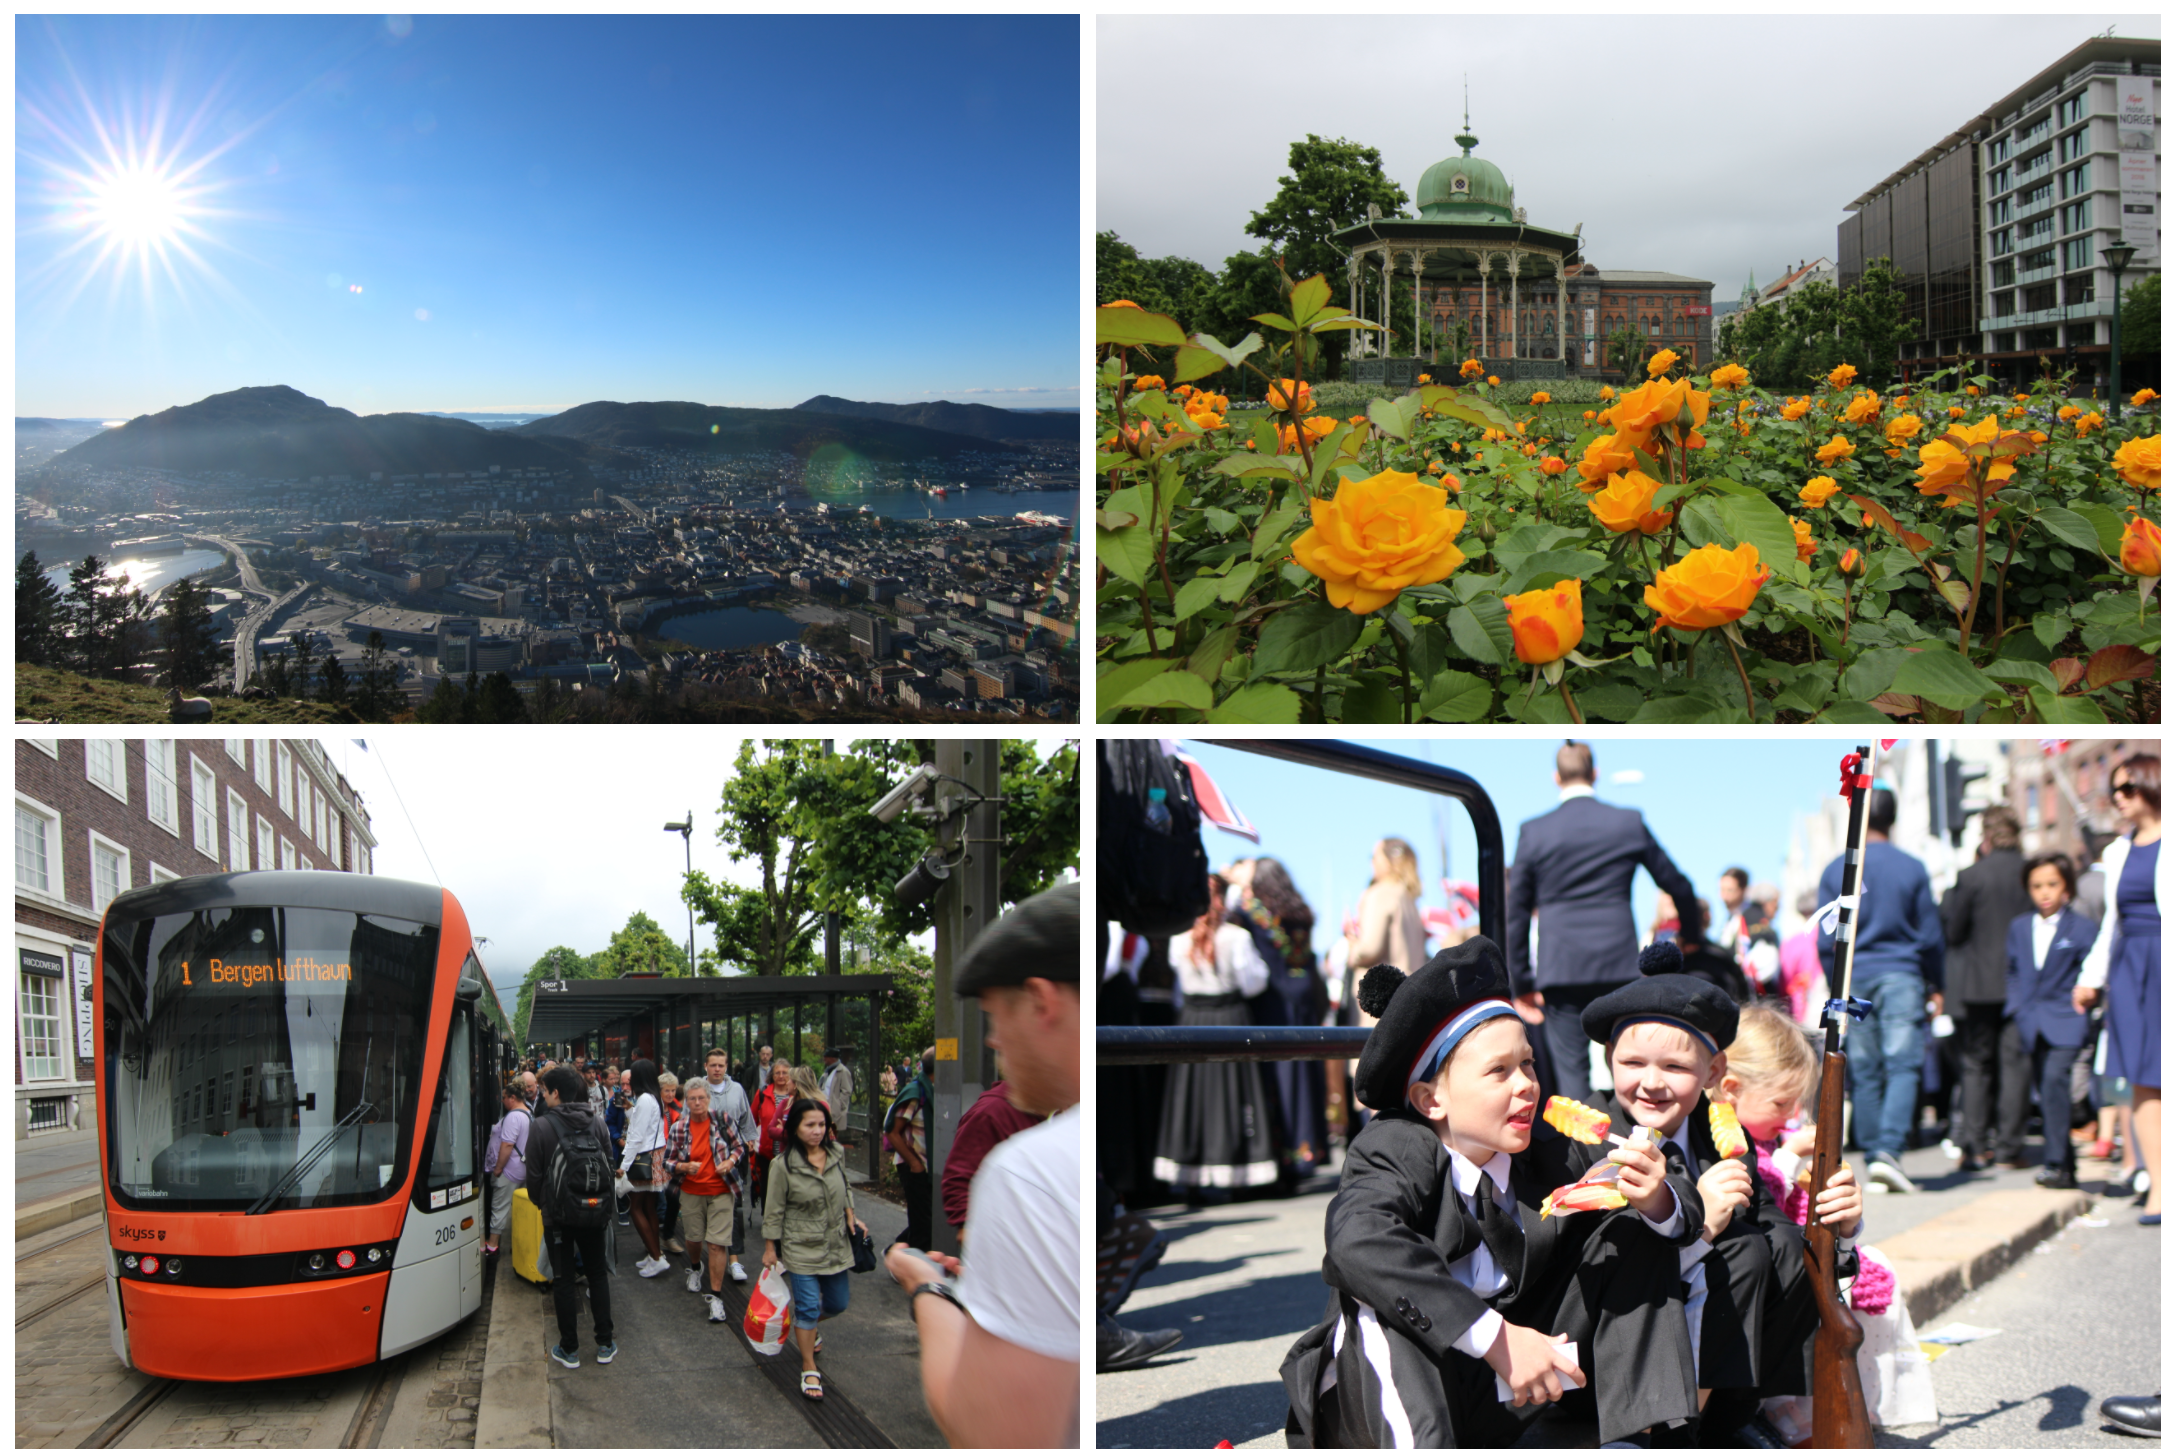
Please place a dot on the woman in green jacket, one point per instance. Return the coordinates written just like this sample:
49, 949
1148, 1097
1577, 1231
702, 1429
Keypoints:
803, 1227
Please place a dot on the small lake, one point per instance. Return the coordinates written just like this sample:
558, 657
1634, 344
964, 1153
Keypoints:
151, 573
722, 627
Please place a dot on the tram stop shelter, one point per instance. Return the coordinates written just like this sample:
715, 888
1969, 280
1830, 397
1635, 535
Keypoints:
675, 1019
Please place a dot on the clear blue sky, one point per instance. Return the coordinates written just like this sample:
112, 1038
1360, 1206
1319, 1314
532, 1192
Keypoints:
542, 211
1711, 802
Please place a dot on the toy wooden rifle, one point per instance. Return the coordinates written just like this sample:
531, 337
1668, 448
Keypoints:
1840, 1418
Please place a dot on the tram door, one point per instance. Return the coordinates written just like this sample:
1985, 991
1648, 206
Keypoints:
437, 1273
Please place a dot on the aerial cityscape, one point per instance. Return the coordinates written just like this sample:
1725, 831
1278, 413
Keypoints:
355, 380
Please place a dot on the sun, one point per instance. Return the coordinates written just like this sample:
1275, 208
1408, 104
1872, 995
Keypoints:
137, 206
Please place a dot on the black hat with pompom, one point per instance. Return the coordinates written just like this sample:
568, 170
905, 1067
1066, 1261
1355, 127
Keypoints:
1664, 993
1423, 1015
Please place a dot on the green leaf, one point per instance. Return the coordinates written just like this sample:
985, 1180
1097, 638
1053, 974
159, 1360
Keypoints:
1222, 522
1264, 437
1121, 678
1247, 463
1276, 321
1689, 708
2051, 628
1232, 354
1758, 520
1374, 701
1481, 630
1326, 451
1456, 697
1703, 526
1129, 553
1214, 650
2107, 522
1848, 711
1259, 703
1195, 363
1240, 578
2053, 708
2015, 670
1611, 700
1545, 568
1269, 533
1943, 675
2066, 525
1308, 298
1872, 674
1394, 417
1170, 690
1195, 594
1302, 638
1128, 327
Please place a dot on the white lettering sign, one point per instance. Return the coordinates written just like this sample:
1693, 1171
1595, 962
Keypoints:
2136, 106
82, 964
2140, 204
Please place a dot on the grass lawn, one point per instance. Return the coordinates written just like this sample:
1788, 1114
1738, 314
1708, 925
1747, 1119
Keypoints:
44, 694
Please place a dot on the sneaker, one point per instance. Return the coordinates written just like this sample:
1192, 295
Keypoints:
651, 1268
2055, 1178
694, 1281
739, 1275
605, 1351
675, 1245
1948, 1146
1882, 1171
717, 1309
571, 1362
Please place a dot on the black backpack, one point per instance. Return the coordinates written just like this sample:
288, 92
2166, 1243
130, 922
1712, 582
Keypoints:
578, 1180
1153, 883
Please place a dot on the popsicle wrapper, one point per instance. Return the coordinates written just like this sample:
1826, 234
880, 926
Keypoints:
1729, 1140
1575, 1120
1597, 1188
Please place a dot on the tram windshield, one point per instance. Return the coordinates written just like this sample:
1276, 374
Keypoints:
243, 1041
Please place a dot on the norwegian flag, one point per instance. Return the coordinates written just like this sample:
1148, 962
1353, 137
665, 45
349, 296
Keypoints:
1215, 806
1887, 744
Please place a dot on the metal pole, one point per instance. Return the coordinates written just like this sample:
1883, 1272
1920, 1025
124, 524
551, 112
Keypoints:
968, 903
688, 837
875, 1089
2114, 339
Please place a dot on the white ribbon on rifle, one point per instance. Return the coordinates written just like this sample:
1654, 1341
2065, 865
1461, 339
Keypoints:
1830, 913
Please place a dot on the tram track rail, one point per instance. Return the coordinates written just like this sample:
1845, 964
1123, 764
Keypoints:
129, 1416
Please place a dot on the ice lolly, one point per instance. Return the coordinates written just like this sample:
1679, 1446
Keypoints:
1729, 1139
1575, 1120
1588, 1192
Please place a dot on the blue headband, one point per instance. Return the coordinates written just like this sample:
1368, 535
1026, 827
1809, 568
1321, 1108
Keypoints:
1701, 1037
1452, 1031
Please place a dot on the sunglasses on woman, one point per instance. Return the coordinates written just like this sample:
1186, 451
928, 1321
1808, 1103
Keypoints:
2124, 788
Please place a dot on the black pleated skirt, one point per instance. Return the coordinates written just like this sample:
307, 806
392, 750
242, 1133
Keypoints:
1218, 1118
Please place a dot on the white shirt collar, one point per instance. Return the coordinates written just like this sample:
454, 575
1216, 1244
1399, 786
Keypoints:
1574, 791
1466, 1173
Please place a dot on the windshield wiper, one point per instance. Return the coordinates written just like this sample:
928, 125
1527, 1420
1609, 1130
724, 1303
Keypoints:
305, 1163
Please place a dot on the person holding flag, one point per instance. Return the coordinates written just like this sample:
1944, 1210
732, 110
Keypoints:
1900, 970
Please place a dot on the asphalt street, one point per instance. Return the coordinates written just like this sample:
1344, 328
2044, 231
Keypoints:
2079, 1321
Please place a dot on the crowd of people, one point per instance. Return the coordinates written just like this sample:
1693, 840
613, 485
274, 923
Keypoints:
680, 1164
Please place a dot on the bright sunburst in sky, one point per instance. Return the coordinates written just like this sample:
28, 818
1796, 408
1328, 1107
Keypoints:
532, 212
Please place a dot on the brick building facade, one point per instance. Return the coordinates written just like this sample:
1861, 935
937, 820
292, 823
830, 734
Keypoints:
96, 816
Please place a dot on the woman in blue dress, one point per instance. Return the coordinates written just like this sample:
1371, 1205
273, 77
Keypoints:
2132, 967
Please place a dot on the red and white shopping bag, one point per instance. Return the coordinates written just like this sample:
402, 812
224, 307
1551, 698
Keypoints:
769, 1317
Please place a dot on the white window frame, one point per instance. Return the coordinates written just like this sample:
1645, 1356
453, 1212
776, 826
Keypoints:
237, 833
159, 768
50, 747
238, 750
160, 874
287, 860
286, 780
267, 841
128, 870
262, 769
55, 861
204, 808
63, 1061
117, 749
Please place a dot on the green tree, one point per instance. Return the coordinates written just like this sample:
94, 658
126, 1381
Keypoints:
1873, 324
1119, 274
38, 614
375, 694
442, 706
107, 621
560, 963
305, 663
2140, 319
1624, 350
1328, 187
188, 638
499, 701
1249, 284
333, 684
639, 947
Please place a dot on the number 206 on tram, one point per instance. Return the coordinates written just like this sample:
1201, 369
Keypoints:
296, 1075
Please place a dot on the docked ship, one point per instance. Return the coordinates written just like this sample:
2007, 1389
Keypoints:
149, 546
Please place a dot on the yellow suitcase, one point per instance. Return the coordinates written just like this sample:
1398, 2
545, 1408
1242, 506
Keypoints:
527, 1248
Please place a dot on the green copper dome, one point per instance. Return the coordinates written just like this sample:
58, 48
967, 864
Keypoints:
1464, 188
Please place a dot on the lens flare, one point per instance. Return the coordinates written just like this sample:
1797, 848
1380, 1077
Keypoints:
138, 206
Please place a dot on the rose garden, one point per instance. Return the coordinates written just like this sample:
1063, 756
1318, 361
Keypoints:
1687, 548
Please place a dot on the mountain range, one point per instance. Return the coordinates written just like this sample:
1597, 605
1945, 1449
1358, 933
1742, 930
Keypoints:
979, 420
274, 431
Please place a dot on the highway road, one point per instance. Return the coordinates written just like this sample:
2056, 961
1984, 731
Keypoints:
245, 635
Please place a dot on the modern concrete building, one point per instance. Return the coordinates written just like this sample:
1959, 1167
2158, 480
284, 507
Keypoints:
1999, 229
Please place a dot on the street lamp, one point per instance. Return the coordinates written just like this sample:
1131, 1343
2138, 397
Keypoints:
685, 830
2117, 258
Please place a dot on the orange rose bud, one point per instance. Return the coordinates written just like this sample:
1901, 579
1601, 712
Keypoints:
1279, 395
1806, 547
2140, 547
1553, 465
1547, 622
1852, 564
1708, 587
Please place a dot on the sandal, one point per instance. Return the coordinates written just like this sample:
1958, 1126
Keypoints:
811, 1384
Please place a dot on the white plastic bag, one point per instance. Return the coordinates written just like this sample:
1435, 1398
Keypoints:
769, 1317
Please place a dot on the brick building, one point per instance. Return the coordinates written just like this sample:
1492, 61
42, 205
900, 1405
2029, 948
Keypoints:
96, 816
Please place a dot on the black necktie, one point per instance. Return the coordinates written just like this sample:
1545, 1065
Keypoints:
1504, 1238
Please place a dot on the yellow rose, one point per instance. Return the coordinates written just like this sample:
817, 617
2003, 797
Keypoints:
1731, 376
1864, 409
1377, 536
2068, 412
1795, 409
1426, 379
1904, 427
2138, 463
1805, 545
1471, 369
1148, 381
1626, 504
2140, 547
1945, 467
1842, 375
1554, 465
1607, 391
2143, 397
1541, 396
2089, 423
1491, 379
1818, 490
1835, 449
1603, 458
1547, 621
1279, 395
1708, 587
1852, 563
1955, 411
1316, 429
1660, 363
1651, 405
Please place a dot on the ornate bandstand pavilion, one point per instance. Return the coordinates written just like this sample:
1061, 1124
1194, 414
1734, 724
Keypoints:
1534, 308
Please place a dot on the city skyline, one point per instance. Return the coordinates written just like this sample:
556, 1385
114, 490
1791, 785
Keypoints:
1719, 183
529, 213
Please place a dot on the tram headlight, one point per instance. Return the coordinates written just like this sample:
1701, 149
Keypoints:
375, 1256
173, 1266
317, 1263
128, 1261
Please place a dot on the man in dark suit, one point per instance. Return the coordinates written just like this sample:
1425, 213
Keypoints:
1975, 915
1573, 870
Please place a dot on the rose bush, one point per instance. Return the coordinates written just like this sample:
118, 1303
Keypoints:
1695, 549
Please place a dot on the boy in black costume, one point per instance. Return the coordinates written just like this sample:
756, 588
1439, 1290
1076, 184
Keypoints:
1457, 1312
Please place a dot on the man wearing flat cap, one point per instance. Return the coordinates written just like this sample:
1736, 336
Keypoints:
1457, 1313
1000, 1351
